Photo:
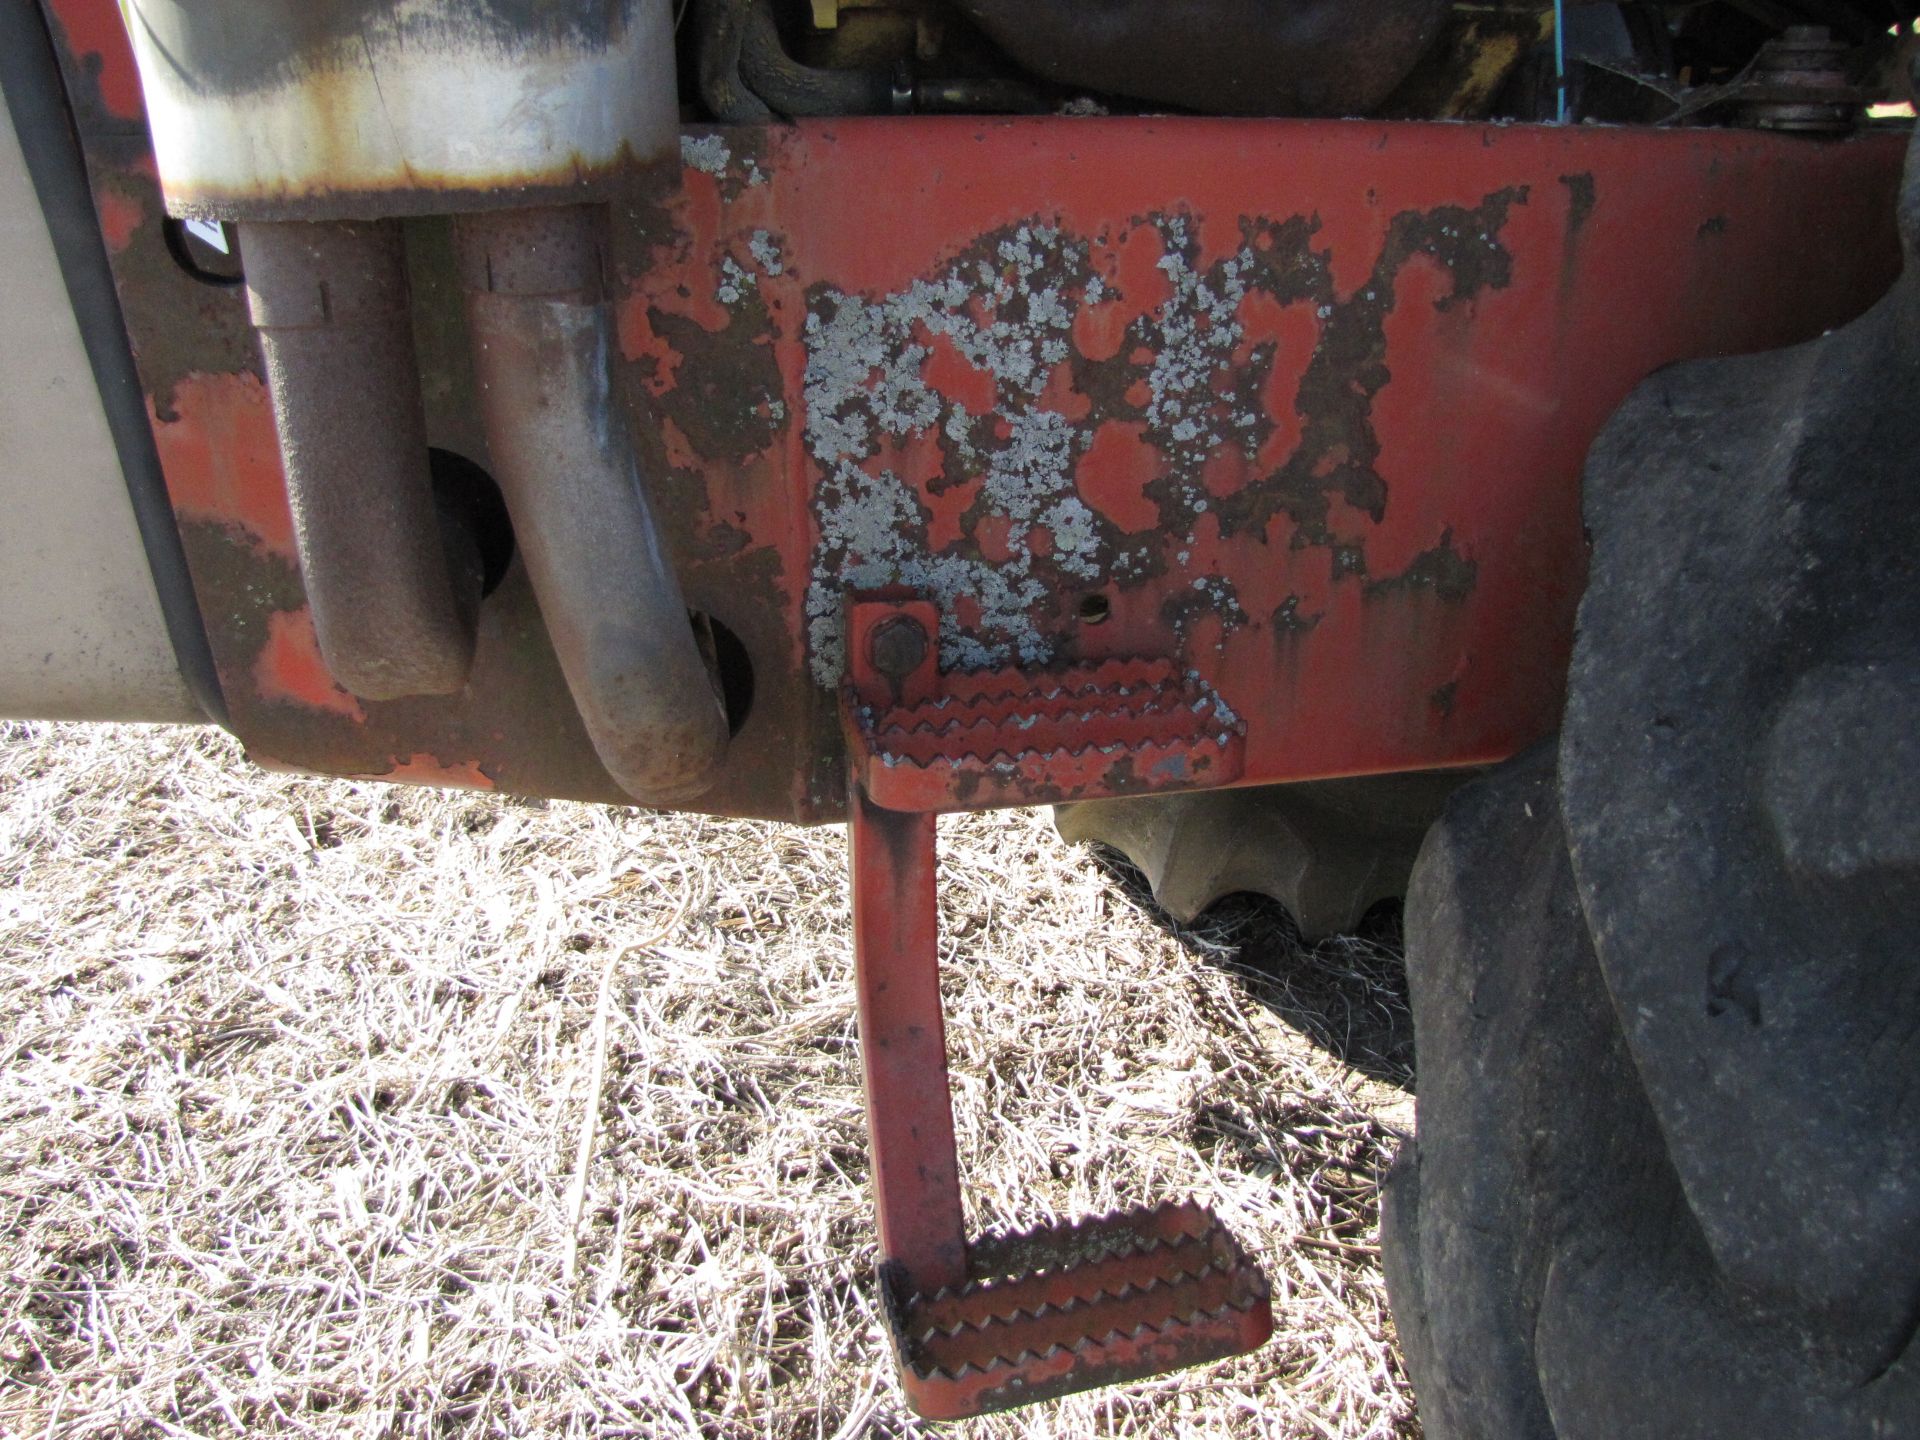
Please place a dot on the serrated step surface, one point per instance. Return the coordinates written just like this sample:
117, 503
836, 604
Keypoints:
1116, 1299
952, 717
1005, 737
1116, 675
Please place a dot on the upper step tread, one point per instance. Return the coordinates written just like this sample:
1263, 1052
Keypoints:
1021, 737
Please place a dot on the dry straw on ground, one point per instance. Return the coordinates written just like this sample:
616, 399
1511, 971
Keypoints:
296, 1071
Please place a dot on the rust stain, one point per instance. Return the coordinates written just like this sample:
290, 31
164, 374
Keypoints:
1581, 197
1287, 619
412, 190
1204, 597
1442, 570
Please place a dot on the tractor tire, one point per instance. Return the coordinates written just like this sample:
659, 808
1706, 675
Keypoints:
1664, 972
1327, 850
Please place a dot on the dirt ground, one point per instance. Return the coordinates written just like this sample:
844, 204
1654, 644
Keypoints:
298, 1075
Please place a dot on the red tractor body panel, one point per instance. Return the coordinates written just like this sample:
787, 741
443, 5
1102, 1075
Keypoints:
1299, 406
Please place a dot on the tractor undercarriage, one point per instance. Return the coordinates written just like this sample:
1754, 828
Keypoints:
894, 461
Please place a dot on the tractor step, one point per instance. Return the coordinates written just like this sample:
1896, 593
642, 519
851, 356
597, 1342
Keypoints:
1070, 1307
926, 741
1018, 1318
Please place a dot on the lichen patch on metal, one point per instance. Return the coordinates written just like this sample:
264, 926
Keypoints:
711, 155
1000, 317
957, 422
706, 153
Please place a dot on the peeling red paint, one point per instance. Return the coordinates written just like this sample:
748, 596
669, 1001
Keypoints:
1113, 473
680, 454
431, 770
222, 458
91, 32
1480, 412
993, 535
1143, 286
289, 667
958, 378
121, 216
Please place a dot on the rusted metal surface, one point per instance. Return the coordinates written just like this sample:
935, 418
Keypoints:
1317, 438
393, 604
1294, 57
1301, 405
542, 334
903, 1047
921, 740
289, 110
1070, 1307
900, 646
1020, 1317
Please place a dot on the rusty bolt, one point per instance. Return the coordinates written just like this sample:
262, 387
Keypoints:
897, 646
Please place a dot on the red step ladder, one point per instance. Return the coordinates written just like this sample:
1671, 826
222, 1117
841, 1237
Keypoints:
1012, 1318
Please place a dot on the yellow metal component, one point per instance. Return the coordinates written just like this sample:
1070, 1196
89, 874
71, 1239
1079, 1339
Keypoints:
1494, 56
1478, 49
826, 14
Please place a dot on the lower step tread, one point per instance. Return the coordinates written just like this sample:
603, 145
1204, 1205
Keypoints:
1119, 1298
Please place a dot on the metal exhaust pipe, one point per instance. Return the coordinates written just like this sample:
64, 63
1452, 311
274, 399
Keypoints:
329, 300
542, 332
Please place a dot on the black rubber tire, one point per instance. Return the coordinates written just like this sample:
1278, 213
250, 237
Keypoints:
1666, 991
1548, 1276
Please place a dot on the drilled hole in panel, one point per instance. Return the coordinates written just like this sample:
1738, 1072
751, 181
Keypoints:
204, 249
468, 499
732, 667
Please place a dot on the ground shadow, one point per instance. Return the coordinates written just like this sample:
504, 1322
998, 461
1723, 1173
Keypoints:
1347, 994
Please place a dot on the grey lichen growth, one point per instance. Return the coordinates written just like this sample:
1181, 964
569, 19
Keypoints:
706, 153
1008, 313
735, 281
1007, 307
766, 252
710, 155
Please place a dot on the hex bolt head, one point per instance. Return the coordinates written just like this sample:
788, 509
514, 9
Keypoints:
897, 647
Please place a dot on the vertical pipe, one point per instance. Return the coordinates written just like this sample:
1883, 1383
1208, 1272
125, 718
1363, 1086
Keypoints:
1560, 58
903, 1044
330, 302
543, 343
